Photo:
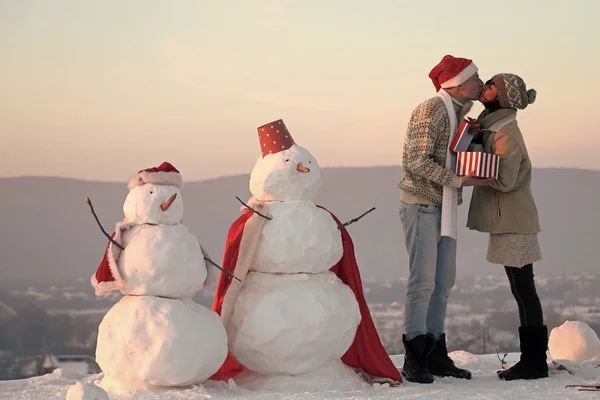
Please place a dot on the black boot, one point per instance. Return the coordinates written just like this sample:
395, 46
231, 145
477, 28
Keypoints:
414, 369
533, 365
439, 364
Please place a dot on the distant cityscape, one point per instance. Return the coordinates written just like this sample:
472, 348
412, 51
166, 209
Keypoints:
44, 328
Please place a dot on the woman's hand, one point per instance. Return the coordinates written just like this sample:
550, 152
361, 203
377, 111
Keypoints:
474, 127
470, 180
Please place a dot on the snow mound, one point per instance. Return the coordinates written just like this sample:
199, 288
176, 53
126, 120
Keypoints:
150, 341
86, 391
334, 376
574, 341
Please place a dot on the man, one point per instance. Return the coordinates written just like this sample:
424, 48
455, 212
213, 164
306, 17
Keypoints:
430, 193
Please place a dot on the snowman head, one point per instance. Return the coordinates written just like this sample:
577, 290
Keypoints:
285, 171
154, 204
155, 196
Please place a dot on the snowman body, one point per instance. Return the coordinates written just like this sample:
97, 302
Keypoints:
161, 260
156, 335
293, 316
301, 238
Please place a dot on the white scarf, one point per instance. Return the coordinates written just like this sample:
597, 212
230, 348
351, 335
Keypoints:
449, 195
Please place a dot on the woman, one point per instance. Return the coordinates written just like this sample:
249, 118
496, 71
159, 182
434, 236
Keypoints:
506, 210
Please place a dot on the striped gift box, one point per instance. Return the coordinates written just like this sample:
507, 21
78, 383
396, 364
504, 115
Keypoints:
483, 165
462, 138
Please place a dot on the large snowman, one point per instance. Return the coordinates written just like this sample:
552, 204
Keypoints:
156, 335
299, 311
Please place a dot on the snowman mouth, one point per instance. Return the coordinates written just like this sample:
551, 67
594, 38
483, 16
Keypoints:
165, 206
302, 169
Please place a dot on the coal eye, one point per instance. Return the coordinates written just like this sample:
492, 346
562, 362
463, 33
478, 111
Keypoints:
151, 192
287, 160
310, 162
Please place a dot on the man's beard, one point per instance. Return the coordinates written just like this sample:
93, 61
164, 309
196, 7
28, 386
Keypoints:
492, 105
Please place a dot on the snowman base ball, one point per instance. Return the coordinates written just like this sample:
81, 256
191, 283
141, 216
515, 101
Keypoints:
150, 341
292, 324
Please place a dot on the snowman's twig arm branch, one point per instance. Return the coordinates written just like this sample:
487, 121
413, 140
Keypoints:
252, 209
353, 220
87, 199
216, 265
208, 260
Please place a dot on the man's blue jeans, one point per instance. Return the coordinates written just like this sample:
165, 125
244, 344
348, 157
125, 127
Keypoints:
432, 269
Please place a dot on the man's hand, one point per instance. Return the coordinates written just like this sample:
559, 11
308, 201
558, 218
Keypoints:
470, 180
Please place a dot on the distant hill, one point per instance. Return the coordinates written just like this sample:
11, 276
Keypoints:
48, 234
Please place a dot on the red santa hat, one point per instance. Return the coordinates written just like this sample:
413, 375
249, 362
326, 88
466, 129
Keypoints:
274, 137
451, 72
164, 174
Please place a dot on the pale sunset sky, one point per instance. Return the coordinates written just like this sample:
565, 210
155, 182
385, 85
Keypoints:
100, 89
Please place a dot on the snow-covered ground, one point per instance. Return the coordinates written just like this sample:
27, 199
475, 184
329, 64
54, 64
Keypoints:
484, 385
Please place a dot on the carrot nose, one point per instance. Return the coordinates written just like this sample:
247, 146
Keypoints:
165, 206
302, 168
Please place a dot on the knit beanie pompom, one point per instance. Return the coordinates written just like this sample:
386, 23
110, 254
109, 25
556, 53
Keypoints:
531, 95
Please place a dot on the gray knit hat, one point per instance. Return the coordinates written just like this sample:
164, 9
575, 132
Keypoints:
512, 92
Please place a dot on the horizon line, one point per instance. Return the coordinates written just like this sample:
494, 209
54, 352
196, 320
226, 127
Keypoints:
248, 174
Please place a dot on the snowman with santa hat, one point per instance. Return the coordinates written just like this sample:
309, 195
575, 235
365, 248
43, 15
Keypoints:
156, 335
299, 313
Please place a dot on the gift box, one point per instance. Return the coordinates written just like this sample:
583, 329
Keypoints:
483, 165
463, 137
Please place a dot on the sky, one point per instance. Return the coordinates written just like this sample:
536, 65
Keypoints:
101, 89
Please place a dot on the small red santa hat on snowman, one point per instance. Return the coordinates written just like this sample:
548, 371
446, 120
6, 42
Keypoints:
452, 72
164, 174
107, 277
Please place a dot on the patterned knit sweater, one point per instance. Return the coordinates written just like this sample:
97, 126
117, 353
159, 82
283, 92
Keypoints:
424, 154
